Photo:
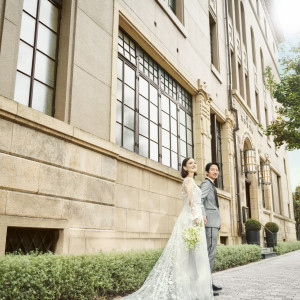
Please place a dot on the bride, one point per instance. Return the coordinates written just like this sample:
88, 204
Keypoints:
180, 274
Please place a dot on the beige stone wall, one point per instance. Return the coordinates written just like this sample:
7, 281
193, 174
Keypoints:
67, 172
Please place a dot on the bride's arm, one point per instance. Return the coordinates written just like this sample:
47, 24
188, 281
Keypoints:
190, 195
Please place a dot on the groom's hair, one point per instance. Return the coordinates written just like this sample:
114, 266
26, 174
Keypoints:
207, 167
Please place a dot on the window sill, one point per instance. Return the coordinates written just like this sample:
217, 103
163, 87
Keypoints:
266, 211
216, 72
224, 195
173, 17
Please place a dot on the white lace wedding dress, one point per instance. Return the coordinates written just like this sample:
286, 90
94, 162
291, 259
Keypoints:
180, 274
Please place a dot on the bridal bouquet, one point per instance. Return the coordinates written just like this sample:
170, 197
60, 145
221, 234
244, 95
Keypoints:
191, 236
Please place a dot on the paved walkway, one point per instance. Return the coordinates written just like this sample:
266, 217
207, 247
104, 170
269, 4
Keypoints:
272, 278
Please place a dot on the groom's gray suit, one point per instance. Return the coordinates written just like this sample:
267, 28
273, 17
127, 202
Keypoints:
212, 213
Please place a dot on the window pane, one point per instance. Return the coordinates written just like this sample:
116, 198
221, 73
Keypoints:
42, 98
128, 139
143, 146
129, 77
25, 58
190, 151
165, 119
119, 134
22, 89
165, 138
189, 137
182, 132
189, 122
173, 110
174, 143
49, 14
174, 126
120, 90
129, 117
143, 106
30, 6
47, 41
144, 126
27, 29
165, 157
174, 160
44, 69
183, 148
119, 112
153, 151
120, 69
153, 132
153, 94
143, 87
153, 113
182, 117
129, 96
165, 103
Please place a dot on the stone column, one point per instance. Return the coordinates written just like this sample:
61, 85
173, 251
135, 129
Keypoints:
202, 141
3, 231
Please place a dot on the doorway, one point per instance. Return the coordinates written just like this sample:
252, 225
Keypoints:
248, 202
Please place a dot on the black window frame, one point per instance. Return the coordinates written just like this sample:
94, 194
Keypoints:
216, 148
58, 4
168, 87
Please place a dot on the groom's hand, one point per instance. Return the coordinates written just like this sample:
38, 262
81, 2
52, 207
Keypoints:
205, 220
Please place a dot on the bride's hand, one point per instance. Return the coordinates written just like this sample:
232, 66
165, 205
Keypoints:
196, 221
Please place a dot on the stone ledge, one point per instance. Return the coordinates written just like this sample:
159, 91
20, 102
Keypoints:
23, 115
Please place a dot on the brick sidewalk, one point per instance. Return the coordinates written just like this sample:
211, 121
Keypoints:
273, 278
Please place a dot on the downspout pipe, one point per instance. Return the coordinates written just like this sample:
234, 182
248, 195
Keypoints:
236, 128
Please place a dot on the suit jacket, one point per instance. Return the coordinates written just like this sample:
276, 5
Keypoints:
210, 204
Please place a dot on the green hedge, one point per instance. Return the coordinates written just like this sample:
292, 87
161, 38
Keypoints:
285, 247
49, 276
237, 255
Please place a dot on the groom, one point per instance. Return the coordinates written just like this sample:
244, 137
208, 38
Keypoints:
211, 214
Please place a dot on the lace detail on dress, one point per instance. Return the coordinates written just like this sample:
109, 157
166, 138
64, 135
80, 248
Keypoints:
180, 274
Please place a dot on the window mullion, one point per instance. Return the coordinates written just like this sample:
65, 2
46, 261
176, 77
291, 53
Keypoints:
34, 53
136, 133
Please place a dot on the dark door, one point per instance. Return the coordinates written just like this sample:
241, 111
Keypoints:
248, 182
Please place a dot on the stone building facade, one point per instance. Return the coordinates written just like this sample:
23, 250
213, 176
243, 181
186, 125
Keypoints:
99, 102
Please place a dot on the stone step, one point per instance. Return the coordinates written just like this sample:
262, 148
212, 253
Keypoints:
266, 250
268, 255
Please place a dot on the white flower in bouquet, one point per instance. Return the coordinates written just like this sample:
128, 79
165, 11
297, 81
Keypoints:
191, 236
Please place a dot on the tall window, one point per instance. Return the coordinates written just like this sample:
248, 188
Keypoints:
266, 31
253, 46
262, 186
37, 60
257, 107
154, 113
172, 5
276, 192
262, 64
257, 7
216, 147
213, 33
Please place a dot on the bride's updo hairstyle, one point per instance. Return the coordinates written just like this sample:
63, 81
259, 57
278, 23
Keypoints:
185, 173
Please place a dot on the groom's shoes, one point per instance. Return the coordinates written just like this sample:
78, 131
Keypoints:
216, 288
216, 294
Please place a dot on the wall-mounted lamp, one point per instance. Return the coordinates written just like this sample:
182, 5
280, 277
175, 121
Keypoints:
248, 158
264, 176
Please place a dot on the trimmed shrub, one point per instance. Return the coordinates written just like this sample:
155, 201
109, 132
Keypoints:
285, 247
237, 255
252, 224
272, 226
48, 276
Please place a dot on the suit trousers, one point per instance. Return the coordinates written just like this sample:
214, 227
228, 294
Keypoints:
212, 240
